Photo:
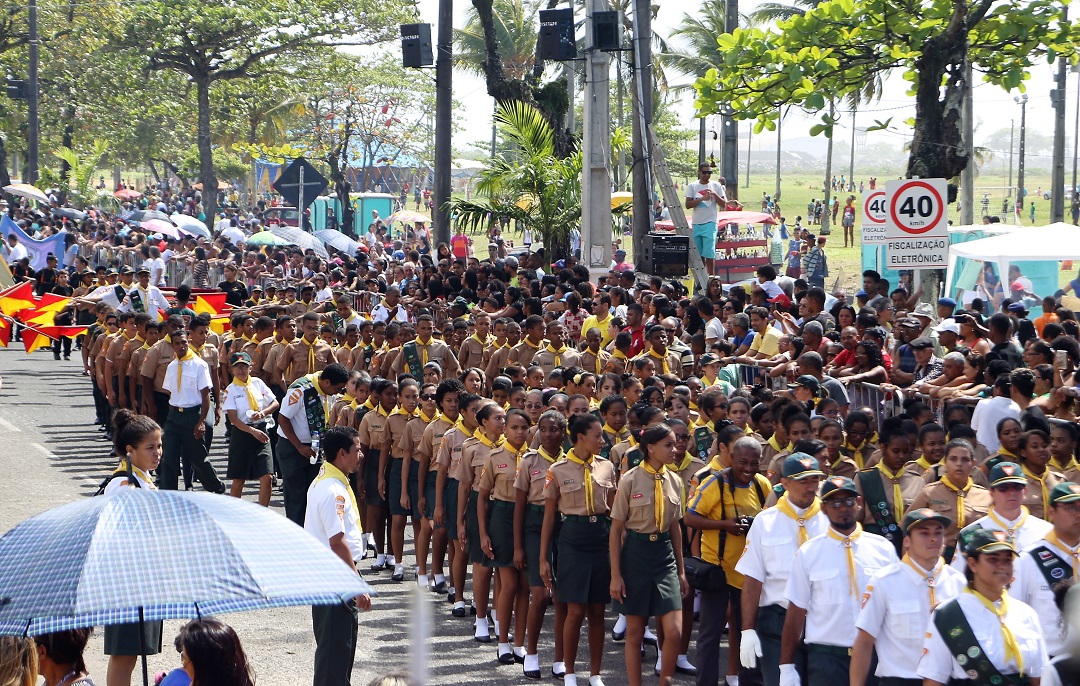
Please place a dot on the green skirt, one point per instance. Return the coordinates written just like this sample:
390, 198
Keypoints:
371, 480
472, 530
248, 457
393, 489
429, 493
585, 573
501, 531
650, 576
534, 525
450, 504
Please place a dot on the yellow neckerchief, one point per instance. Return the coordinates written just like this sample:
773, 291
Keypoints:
590, 502
1073, 464
138, 472
482, 437
658, 492
1005, 527
401, 410
249, 339
856, 453
350, 400
931, 578
748, 430
518, 451
422, 346
548, 456
1052, 538
1044, 491
687, 459
126, 337
632, 441
775, 444
619, 355
596, 360
277, 338
922, 462
329, 471
145, 346
618, 435
703, 422
310, 352
368, 404
314, 379
254, 300
534, 346
440, 417
898, 494
1012, 648
785, 506
664, 366
557, 352
594, 404
138, 339
188, 355
253, 400
379, 410
483, 344
1013, 457
348, 347
848, 542
423, 417
960, 493
460, 426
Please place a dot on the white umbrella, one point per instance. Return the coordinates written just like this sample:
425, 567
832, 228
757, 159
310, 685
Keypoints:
25, 190
301, 239
338, 241
191, 225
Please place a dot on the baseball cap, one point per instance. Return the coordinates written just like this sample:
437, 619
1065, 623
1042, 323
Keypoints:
781, 299
620, 251
911, 322
1017, 307
921, 343
1065, 492
1007, 473
128, 270
837, 485
980, 540
708, 358
799, 466
142, 270
239, 358
807, 381
923, 514
948, 326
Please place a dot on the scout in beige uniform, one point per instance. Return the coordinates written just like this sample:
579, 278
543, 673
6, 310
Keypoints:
1062, 451
593, 358
477, 348
394, 480
444, 402
496, 523
886, 489
580, 489
372, 429
307, 355
528, 525
1035, 458
556, 353
500, 349
447, 491
647, 508
523, 353
415, 354
961, 504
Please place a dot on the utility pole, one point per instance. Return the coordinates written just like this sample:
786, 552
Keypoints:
1076, 137
1057, 175
851, 161
444, 101
596, 144
643, 114
967, 176
1022, 100
729, 128
1012, 149
779, 139
32, 100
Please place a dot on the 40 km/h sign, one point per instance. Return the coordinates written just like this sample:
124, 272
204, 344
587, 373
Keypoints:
873, 226
917, 223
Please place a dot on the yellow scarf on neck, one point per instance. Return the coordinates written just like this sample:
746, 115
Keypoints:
590, 501
1044, 491
1012, 648
423, 417
1005, 527
422, 347
310, 353
557, 352
401, 410
849, 543
922, 462
249, 388
314, 379
329, 471
482, 437
619, 355
548, 456
961, 517
188, 355
931, 578
596, 361
785, 506
534, 346
898, 493
658, 492
664, 366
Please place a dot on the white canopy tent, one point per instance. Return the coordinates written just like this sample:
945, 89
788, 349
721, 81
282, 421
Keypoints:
1053, 242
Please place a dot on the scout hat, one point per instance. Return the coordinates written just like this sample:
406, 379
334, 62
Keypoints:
980, 540
1007, 473
239, 358
923, 514
1065, 492
837, 485
799, 466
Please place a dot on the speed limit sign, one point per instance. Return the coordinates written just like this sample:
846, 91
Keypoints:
874, 213
916, 207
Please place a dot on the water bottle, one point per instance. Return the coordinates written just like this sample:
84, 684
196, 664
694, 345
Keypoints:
315, 440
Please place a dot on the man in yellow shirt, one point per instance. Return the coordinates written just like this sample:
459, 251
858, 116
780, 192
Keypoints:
600, 318
767, 339
723, 509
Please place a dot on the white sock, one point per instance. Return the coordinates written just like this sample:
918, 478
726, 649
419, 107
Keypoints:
620, 624
481, 627
532, 663
399, 569
570, 680
649, 633
733, 680
390, 560
504, 648
519, 651
658, 663
422, 580
559, 667
439, 578
451, 590
496, 623
697, 602
595, 680
684, 661
380, 559
459, 605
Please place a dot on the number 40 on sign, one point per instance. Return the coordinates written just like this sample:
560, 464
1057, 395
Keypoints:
916, 223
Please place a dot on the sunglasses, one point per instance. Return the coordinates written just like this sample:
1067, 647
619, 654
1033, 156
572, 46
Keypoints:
427, 396
840, 503
1010, 487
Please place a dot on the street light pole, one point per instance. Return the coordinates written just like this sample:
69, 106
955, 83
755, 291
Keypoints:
1012, 149
1020, 196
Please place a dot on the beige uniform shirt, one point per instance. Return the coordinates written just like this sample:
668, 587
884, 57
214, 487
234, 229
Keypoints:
296, 356
943, 500
674, 362
430, 442
548, 360
437, 351
594, 362
566, 484
635, 501
449, 454
473, 456
157, 361
372, 427
210, 356
498, 474
531, 473
395, 429
473, 353
413, 435
910, 486
134, 367
272, 376
689, 474
115, 351
1033, 497
523, 353
497, 361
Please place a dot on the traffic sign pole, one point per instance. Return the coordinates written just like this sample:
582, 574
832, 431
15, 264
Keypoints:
300, 203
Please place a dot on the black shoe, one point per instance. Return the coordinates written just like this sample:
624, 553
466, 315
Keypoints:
520, 659
506, 658
472, 610
617, 635
458, 612
398, 577
557, 675
692, 671
439, 588
531, 675
67, 358
450, 597
483, 638
377, 567
649, 641
56, 356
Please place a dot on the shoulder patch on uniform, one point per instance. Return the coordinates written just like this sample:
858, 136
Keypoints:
295, 395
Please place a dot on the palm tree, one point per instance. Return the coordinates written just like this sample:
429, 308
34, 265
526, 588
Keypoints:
771, 12
515, 29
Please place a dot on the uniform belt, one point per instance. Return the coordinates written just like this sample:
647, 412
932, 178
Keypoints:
499, 504
587, 519
186, 409
649, 537
535, 508
831, 650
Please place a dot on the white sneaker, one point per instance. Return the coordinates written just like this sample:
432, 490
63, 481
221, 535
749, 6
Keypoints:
649, 637
733, 680
595, 680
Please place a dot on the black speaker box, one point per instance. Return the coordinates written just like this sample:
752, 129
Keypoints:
607, 30
666, 254
416, 45
557, 35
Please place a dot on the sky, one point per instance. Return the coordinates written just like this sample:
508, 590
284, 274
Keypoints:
994, 107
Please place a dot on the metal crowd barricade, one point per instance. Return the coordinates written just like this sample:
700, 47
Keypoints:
882, 403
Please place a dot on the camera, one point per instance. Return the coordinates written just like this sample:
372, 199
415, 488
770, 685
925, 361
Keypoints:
744, 522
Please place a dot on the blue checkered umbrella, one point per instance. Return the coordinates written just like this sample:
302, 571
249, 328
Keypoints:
170, 554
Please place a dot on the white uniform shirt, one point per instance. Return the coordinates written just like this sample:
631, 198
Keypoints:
330, 512
14, 252
236, 398
895, 610
292, 406
939, 664
1032, 530
819, 584
770, 551
706, 211
195, 378
152, 299
117, 483
381, 313
1032, 588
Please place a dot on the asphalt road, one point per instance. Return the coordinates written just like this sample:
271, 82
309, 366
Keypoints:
55, 455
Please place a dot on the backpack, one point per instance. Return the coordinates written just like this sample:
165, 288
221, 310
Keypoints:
118, 472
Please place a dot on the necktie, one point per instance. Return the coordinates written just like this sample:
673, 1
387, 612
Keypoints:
1012, 648
785, 506
590, 504
931, 579
423, 347
898, 494
1052, 538
961, 517
658, 493
849, 542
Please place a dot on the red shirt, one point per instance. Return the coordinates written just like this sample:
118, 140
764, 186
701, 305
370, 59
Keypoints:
637, 340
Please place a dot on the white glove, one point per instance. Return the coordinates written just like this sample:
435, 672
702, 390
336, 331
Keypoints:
789, 676
749, 648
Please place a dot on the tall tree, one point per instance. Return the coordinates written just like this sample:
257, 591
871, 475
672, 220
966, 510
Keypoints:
220, 40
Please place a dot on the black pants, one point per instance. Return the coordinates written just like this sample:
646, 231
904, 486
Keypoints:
829, 668
897, 681
297, 473
101, 405
279, 393
162, 407
714, 607
335, 630
770, 625
178, 440
66, 342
